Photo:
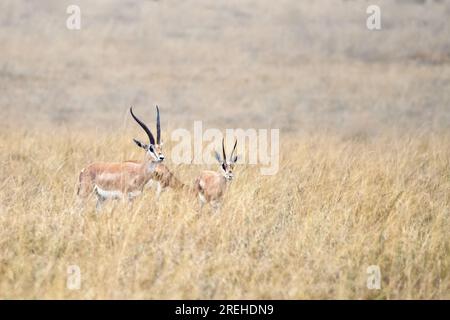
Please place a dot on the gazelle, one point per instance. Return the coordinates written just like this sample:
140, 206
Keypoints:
123, 180
166, 179
163, 178
211, 185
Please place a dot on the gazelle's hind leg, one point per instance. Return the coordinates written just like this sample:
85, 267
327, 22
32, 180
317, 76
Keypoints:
85, 189
85, 184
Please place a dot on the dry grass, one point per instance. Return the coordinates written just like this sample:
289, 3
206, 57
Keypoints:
336, 207
364, 120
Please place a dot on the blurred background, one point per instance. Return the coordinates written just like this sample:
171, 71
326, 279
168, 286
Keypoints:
293, 65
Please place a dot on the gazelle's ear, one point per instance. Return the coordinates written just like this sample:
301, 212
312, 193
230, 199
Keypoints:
140, 144
217, 157
235, 159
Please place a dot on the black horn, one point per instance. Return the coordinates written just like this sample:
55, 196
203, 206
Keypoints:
143, 126
234, 149
223, 151
158, 127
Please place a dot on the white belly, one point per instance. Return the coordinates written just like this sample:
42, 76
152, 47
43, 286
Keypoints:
115, 194
134, 194
108, 194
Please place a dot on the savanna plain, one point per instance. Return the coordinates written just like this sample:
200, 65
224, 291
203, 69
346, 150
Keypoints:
364, 171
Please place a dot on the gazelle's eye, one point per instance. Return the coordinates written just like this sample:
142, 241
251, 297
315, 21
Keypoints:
224, 167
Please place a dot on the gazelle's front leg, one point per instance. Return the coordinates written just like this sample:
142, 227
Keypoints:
100, 201
201, 200
131, 195
215, 204
159, 189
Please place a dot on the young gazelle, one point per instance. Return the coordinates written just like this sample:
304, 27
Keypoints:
163, 178
211, 185
123, 180
166, 179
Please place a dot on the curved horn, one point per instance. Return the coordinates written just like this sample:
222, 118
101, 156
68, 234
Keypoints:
158, 127
234, 149
146, 129
223, 151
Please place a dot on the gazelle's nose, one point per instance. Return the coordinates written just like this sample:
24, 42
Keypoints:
161, 157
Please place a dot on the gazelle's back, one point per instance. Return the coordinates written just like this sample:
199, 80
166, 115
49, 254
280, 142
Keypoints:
110, 176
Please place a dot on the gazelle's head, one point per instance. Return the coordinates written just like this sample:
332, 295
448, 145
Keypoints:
154, 148
227, 166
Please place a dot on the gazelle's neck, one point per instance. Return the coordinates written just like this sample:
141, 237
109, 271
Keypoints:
223, 178
148, 165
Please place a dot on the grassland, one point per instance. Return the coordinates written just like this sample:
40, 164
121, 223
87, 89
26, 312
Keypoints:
364, 174
336, 207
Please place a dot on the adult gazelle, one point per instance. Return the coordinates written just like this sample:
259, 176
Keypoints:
123, 180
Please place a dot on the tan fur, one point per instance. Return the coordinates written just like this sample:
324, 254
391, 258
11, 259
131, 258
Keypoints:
124, 177
124, 180
211, 185
163, 175
166, 178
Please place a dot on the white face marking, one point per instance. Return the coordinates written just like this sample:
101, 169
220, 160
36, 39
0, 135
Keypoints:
152, 155
227, 173
156, 156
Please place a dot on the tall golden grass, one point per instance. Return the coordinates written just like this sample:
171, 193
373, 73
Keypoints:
364, 177
336, 206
